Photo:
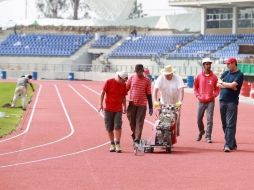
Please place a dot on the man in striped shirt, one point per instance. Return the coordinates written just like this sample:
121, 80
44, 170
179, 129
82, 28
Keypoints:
140, 92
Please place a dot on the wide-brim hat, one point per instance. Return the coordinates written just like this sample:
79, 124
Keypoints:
168, 70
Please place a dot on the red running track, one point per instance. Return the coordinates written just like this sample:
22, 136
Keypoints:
62, 144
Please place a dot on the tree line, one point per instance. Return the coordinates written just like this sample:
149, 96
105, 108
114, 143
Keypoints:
77, 8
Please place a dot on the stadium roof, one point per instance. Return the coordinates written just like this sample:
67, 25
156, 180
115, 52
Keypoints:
211, 3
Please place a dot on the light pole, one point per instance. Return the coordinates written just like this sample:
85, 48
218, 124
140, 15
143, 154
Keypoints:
25, 9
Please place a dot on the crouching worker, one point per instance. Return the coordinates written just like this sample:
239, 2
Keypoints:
21, 90
115, 106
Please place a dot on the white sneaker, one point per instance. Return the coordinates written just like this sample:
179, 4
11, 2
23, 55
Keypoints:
226, 149
112, 148
118, 148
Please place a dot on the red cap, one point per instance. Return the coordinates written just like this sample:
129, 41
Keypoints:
231, 60
146, 71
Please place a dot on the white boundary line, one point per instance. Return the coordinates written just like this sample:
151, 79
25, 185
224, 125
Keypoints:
52, 142
29, 121
64, 155
147, 121
54, 157
82, 97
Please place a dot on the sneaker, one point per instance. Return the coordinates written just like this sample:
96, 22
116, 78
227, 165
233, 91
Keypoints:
200, 135
226, 149
118, 148
235, 148
208, 140
112, 148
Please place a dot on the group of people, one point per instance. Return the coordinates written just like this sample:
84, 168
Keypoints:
169, 89
206, 88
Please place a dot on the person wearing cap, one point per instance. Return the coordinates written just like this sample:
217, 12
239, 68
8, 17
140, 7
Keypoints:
147, 73
171, 88
140, 93
206, 90
230, 83
21, 90
115, 106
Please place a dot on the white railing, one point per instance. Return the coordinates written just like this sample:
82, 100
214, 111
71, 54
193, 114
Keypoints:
181, 69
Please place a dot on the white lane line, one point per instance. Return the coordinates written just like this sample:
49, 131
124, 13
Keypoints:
52, 142
91, 89
83, 98
29, 121
64, 155
147, 121
54, 157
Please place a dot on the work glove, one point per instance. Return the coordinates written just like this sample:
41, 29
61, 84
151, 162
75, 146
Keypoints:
150, 111
156, 105
178, 104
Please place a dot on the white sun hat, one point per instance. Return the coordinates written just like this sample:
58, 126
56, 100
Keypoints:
168, 70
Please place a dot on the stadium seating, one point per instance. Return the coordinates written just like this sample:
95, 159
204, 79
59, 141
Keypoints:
135, 46
231, 50
42, 44
203, 45
147, 46
105, 41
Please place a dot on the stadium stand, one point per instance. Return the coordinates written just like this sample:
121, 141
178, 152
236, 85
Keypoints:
146, 46
105, 41
42, 44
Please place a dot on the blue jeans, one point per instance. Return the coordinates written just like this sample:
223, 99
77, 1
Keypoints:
209, 107
228, 112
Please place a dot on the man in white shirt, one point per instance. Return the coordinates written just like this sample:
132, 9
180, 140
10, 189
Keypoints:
171, 88
170, 85
21, 90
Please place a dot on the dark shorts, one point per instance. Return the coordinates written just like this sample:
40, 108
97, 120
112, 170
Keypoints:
113, 120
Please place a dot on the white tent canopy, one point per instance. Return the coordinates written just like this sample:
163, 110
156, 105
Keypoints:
162, 23
111, 10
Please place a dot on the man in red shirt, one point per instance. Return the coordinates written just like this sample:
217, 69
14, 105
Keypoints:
115, 106
140, 92
206, 90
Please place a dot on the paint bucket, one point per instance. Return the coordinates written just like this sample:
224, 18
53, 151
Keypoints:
252, 91
71, 76
190, 81
34, 75
3, 74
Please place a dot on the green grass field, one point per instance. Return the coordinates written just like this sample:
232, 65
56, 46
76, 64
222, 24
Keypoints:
13, 116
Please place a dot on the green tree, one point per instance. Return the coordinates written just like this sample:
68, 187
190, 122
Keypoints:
80, 6
51, 8
55, 8
137, 11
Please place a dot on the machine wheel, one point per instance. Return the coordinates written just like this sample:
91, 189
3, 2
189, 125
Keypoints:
168, 149
151, 149
135, 151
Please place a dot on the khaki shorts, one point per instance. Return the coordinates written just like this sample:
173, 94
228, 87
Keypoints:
113, 120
